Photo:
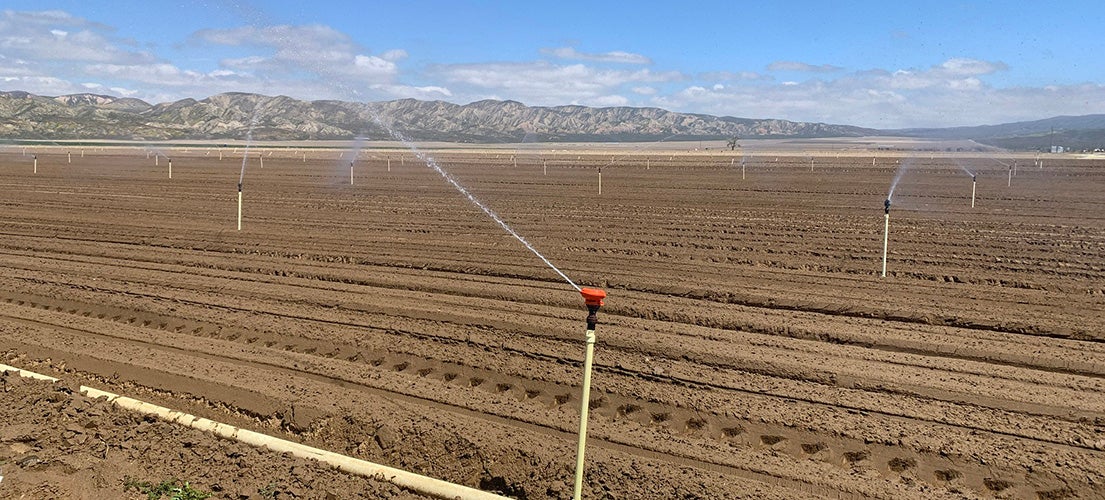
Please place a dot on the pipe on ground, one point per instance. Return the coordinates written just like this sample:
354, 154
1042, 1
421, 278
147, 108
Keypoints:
409, 480
414, 482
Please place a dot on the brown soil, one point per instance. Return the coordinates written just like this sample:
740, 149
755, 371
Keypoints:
748, 348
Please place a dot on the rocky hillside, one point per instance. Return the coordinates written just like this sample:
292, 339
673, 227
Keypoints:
229, 116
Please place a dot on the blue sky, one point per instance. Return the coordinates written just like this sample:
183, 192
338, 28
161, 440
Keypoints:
873, 64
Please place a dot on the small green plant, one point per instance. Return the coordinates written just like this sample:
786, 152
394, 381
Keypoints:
172, 488
269, 491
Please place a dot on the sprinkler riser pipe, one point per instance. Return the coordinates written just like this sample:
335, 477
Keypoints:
170, 168
600, 181
585, 407
885, 241
973, 185
239, 207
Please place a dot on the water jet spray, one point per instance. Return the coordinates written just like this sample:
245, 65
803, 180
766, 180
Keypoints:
432, 164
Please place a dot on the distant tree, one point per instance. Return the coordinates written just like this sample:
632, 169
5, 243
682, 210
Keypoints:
733, 143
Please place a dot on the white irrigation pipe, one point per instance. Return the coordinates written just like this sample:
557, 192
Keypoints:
409, 480
25, 373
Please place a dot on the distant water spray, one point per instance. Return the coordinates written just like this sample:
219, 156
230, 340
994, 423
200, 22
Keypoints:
245, 159
354, 155
432, 163
249, 142
897, 178
974, 182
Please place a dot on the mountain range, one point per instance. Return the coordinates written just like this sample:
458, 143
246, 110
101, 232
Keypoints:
234, 115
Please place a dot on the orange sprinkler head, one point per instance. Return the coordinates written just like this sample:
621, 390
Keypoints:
592, 296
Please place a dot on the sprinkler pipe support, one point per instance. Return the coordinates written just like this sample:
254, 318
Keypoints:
592, 298
239, 206
885, 235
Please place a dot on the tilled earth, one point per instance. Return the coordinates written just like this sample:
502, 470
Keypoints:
748, 347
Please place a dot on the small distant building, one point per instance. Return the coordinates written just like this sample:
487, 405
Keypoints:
1057, 149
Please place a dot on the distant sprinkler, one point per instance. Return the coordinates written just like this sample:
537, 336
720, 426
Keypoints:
220, 155
1009, 183
239, 205
170, 168
600, 180
350, 173
592, 298
648, 163
885, 235
811, 164
36, 163
514, 160
974, 183
156, 160
389, 164
262, 158
70, 153
82, 153
545, 166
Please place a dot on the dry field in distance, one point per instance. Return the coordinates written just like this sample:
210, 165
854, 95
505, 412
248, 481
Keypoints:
748, 346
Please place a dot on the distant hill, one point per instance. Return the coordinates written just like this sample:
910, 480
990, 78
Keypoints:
1071, 132
228, 116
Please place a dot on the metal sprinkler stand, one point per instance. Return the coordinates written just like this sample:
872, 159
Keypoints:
592, 297
885, 235
974, 184
239, 206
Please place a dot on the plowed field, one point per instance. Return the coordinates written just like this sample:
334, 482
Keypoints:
748, 347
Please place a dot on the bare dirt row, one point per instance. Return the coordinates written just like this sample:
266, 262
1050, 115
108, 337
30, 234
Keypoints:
748, 348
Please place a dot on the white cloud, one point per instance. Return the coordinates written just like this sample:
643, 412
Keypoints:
951, 93
543, 83
429, 92
604, 101
616, 56
313, 48
394, 55
644, 90
57, 36
802, 67
729, 76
